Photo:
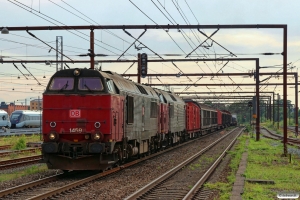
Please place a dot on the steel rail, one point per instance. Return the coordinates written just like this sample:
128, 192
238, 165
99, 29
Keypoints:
30, 185
202, 180
171, 172
105, 173
7, 164
290, 141
4, 147
6, 153
86, 180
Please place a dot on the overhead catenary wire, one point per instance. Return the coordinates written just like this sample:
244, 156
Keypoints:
110, 32
31, 73
49, 45
20, 70
55, 23
157, 24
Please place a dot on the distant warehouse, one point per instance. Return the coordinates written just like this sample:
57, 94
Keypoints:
36, 104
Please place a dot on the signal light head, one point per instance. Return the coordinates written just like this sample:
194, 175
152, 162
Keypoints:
143, 64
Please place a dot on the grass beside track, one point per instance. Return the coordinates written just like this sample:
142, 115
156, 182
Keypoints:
265, 162
24, 172
13, 140
18, 155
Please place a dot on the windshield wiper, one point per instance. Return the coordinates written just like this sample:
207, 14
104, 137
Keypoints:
65, 86
88, 88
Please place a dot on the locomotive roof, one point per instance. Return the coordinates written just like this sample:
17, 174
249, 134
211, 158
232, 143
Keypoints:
69, 72
128, 85
122, 84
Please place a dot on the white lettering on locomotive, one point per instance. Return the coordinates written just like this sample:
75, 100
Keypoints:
75, 130
74, 113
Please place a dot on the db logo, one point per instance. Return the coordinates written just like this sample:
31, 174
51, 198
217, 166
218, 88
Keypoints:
74, 113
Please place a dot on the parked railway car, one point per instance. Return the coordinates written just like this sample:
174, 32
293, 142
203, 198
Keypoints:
25, 119
4, 119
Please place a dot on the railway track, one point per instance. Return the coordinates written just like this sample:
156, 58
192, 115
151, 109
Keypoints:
28, 144
48, 187
28, 150
271, 135
19, 162
292, 129
185, 180
4, 147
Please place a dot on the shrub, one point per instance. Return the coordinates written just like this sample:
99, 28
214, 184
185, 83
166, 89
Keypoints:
21, 144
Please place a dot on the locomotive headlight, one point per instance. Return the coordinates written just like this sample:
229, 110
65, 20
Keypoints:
76, 72
87, 136
96, 136
52, 136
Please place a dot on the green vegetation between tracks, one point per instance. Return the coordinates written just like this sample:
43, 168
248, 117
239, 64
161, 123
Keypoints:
15, 139
265, 162
24, 172
17, 155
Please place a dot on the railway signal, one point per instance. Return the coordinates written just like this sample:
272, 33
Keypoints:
143, 64
250, 104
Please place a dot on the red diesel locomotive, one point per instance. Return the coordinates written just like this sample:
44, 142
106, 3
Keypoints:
93, 120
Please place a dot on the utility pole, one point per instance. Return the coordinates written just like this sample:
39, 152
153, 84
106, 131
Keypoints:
278, 98
296, 104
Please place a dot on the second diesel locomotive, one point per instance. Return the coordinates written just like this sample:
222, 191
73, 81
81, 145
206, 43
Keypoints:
94, 119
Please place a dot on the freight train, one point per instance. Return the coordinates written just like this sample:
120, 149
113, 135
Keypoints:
93, 120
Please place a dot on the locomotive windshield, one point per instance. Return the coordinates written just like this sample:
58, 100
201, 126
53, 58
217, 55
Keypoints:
62, 83
90, 84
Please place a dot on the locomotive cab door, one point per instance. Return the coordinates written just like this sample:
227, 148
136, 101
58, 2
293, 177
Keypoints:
115, 121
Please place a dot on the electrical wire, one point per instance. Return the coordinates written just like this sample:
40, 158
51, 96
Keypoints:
57, 24
110, 32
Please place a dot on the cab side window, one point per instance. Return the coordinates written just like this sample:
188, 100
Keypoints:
111, 86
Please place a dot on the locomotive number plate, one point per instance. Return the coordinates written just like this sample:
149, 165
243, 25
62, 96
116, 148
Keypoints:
75, 130
74, 113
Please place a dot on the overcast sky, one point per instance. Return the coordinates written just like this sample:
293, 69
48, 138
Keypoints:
243, 43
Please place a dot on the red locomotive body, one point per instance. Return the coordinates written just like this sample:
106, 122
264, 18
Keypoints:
70, 115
